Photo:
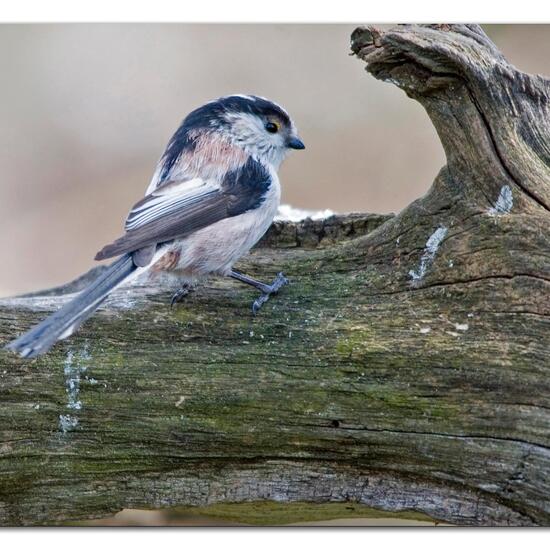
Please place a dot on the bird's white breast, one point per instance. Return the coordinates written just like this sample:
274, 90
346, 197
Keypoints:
217, 247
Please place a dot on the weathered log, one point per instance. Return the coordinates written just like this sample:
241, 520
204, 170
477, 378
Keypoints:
405, 368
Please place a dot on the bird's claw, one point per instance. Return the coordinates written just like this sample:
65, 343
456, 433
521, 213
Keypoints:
275, 286
180, 294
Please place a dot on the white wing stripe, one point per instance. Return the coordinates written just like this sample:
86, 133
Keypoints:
160, 205
149, 215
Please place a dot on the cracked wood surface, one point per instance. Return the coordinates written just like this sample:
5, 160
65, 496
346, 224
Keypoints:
405, 368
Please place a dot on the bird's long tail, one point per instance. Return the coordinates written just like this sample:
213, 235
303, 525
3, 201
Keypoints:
66, 320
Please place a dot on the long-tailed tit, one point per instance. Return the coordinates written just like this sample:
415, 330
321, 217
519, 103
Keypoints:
214, 194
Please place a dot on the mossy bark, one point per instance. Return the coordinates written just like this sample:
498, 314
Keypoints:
405, 367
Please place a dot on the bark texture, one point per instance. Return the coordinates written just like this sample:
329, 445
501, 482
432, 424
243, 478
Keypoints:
406, 367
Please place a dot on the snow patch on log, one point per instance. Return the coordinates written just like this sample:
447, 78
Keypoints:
291, 214
38, 303
73, 372
67, 422
504, 203
430, 250
72, 382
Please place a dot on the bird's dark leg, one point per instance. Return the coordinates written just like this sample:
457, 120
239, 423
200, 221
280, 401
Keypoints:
181, 293
266, 290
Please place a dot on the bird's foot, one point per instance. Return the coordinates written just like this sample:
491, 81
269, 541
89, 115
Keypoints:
180, 294
268, 290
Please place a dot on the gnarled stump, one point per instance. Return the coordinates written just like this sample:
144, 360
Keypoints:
405, 368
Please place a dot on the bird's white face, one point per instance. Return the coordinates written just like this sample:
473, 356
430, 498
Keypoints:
268, 139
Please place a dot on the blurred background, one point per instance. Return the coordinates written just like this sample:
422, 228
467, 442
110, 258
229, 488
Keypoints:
87, 109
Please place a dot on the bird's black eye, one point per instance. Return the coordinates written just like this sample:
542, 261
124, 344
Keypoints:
272, 127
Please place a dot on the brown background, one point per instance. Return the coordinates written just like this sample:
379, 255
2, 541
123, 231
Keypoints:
86, 110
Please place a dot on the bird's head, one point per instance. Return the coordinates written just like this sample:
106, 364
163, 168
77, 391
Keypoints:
260, 127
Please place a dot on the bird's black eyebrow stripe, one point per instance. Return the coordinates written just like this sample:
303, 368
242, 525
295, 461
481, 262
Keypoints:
254, 105
212, 113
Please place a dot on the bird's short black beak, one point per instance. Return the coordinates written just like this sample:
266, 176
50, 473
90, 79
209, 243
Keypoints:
295, 143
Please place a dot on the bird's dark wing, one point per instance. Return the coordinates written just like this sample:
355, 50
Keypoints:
172, 198
179, 210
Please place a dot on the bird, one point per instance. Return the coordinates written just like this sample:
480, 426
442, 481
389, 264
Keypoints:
213, 195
